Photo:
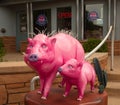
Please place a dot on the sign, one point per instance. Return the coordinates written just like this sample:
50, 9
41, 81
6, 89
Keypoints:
64, 15
41, 20
93, 15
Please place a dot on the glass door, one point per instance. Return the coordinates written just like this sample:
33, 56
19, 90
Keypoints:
64, 18
42, 21
21, 34
93, 24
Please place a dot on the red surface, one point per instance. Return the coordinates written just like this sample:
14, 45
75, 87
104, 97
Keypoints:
55, 98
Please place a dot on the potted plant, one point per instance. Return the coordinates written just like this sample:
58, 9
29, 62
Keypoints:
91, 43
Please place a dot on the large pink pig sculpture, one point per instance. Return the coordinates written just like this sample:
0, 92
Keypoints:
77, 74
46, 54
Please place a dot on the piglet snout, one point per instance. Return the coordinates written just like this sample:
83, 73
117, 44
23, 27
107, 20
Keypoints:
33, 57
59, 69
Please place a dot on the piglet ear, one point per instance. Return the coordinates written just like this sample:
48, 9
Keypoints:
53, 41
29, 40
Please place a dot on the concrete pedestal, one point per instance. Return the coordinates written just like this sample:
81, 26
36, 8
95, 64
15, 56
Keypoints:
56, 98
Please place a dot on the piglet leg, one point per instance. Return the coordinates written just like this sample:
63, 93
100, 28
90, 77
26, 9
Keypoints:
67, 89
92, 86
81, 90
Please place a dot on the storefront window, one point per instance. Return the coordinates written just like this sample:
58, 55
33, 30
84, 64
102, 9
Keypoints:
93, 21
64, 18
42, 21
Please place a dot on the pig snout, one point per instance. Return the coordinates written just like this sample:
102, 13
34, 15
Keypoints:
59, 69
33, 57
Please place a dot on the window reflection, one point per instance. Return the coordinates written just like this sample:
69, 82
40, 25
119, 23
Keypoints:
93, 21
42, 21
64, 18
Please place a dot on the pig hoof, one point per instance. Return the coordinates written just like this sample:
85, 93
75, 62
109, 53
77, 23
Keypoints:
60, 85
75, 88
79, 99
64, 95
39, 92
92, 91
44, 98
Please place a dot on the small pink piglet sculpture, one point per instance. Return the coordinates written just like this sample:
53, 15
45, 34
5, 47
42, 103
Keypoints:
75, 73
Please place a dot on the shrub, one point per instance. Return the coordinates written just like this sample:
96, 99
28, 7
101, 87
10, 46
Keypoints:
91, 43
2, 50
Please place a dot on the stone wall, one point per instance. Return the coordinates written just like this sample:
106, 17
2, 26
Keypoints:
15, 79
14, 82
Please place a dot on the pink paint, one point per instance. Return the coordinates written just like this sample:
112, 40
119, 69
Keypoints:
75, 73
46, 54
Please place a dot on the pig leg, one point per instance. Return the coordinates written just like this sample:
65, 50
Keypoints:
47, 85
67, 89
40, 91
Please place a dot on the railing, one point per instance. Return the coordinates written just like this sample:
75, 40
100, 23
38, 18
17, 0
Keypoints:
32, 84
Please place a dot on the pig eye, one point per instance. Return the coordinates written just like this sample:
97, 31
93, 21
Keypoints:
31, 46
70, 66
44, 46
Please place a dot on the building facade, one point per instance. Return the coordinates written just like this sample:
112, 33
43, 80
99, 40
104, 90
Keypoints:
84, 18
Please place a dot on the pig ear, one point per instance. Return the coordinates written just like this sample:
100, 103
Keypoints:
79, 65
53, 41
29, 40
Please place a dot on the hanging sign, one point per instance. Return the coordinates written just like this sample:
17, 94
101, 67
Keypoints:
64, 15
93, 15
41, 20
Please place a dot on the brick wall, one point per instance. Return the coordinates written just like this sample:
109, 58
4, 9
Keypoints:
9, 43
15, 79
23, 46
116, 46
